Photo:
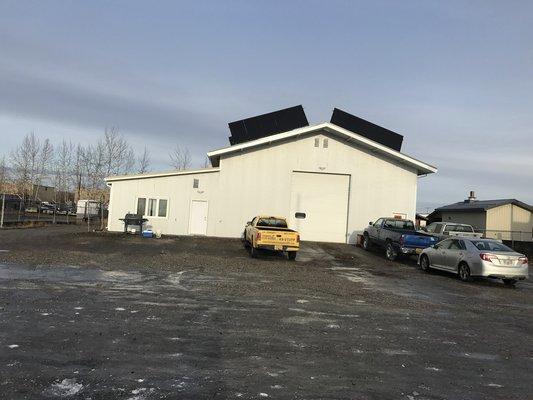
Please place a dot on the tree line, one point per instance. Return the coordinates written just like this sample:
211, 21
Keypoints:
71, 167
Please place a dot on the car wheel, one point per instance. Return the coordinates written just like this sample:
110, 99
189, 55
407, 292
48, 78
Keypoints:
291, 255
366, 242
391, 252
509, 282
253, 251
464, 273
424, 263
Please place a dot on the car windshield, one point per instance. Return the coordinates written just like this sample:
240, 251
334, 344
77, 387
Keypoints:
491, 245
400, 224
459, 228
272, 222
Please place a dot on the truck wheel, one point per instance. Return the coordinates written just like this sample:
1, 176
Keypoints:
244, 241
253, 251
391, 252
464, 272
366, 242
291, 255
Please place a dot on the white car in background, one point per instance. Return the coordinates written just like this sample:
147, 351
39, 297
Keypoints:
469, 257
444, 229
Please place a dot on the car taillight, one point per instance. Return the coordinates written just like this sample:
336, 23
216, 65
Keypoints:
258, 236
522, 260
402, 240
297, 238
488, 257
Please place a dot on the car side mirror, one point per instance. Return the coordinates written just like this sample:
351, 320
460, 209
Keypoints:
249, 223
371, 223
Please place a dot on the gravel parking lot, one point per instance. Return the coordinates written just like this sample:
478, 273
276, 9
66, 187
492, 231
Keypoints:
103, 316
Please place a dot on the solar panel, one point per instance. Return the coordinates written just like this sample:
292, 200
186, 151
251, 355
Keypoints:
267, 124
367, 129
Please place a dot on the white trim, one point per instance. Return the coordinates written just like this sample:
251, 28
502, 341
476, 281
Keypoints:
421, 167
161, 174
157, 199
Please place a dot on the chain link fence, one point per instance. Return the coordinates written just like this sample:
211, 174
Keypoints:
15, 211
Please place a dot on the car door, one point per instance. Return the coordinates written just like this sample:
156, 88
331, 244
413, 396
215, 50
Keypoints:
439, 253
454, 253
373, 230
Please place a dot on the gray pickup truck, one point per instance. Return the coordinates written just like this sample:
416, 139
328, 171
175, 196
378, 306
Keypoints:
396, 236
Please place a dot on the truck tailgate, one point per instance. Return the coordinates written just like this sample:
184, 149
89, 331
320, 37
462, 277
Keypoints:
278, 238
418, 241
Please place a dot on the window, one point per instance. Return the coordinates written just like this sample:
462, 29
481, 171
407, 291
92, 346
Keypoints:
325, 143
162, 209
151, 207
272, 222
195, 183
299, 215
399, 224
317, 142
491, 245
444, 244
455, 245
378, 222
141, 206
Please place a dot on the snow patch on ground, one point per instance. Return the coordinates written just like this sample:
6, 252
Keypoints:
13, 346
65, 388
302, 301
120, 309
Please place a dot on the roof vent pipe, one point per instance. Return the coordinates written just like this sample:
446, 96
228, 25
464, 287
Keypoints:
471, 197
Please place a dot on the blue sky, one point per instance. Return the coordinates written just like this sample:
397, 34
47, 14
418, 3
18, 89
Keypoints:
455, 78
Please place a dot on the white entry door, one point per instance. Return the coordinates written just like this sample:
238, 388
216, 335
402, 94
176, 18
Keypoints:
198, 218
319, 206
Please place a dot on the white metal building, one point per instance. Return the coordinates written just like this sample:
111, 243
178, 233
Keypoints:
328, 181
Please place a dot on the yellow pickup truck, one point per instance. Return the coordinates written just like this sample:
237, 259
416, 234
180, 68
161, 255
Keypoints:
271, 233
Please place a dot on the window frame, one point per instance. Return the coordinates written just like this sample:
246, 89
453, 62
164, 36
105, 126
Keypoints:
147, 200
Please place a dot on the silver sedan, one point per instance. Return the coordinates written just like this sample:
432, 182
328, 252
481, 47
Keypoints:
468, 257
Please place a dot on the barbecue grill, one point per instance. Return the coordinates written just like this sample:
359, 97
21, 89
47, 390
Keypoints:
134, 220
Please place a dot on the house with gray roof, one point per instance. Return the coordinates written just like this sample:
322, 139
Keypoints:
507, 219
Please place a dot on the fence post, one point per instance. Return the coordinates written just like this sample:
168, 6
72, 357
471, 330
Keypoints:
3, 206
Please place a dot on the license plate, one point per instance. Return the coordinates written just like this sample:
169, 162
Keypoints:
418, 251
278, 247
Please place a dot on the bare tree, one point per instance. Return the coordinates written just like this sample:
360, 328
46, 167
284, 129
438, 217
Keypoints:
180, 158
44, 159
118, 156
144, 162
4, 175
24, 159
62, 169
76, 173
207, 163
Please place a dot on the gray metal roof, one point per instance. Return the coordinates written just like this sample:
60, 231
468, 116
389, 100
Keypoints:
483, 205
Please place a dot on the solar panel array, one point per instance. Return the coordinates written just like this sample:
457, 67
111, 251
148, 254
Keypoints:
367, 129
267, 124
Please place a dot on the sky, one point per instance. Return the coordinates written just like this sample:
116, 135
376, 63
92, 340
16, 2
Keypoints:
455, 78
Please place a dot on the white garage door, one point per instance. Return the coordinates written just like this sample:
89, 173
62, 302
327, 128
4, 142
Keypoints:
319, 206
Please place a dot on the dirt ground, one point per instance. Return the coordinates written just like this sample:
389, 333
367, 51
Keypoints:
107, 316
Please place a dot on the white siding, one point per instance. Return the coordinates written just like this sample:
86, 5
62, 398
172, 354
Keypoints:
258, 181
510, 222
177, 189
